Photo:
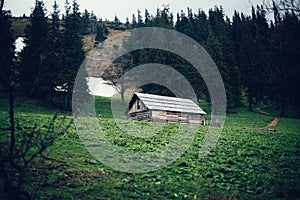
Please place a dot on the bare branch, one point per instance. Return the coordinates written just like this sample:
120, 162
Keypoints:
283, 5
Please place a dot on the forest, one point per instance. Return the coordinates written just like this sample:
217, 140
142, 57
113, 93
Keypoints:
257, 57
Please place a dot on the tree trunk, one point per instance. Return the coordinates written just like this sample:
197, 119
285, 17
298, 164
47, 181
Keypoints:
282, 108
250, 102
12, 121
123, 96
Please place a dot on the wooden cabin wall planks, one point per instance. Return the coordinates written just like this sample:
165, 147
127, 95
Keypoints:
148, 107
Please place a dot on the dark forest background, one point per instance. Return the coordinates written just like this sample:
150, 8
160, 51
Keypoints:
257, 57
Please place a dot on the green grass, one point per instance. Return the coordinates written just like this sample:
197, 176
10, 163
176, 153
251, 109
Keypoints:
247, 163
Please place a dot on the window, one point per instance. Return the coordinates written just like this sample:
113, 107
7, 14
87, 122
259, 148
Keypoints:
138, 105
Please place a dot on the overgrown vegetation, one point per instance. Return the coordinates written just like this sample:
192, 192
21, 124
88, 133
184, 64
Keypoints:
247, 163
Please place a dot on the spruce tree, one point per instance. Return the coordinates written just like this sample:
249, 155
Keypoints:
284, 60
52, 65
73, 54
245, 55
6, 51
133, 21
86, 23
147, 18
101, 33
33, 55
140, 19
219, 45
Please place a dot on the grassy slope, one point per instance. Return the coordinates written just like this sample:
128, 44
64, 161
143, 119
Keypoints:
247, 163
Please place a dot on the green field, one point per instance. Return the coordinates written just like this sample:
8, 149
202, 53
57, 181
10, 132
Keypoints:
248, 162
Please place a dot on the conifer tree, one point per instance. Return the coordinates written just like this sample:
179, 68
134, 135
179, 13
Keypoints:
101, 34
244, 50
140, 19
220, 47
34, 52
73, 54
6, 51
86, 23
52, 65
147, 18
285, 71
133, 21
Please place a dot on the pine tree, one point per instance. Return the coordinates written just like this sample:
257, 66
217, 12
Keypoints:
73, 54
127, 23
147, 18
219, 45
101, 33
245, 53
86, 23
284, 60
34, 52
133, 21
52, 64
164, 18
140, 19
201, 27
6, 51
116, 24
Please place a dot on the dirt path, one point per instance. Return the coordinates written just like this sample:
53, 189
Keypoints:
272, 123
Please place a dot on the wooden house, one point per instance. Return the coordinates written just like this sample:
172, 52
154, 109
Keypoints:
149, 107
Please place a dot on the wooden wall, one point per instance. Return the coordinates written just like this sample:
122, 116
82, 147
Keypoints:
139, 111
177, 117
137, 104
140, 116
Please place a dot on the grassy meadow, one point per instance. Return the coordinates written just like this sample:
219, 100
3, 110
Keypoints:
247, 163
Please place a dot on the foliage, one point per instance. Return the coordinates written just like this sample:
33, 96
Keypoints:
247, 163
6, 51
101, 33
256, 58
89, 23
33, 54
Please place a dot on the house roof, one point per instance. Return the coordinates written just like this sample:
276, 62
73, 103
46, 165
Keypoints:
157, 102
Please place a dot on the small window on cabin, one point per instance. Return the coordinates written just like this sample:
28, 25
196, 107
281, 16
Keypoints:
138, 105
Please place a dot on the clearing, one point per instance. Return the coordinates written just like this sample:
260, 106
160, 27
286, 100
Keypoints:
246, 163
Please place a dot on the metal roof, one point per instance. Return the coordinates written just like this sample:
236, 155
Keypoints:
174, 104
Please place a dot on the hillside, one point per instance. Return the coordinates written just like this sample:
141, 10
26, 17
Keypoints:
248, 162
19, 24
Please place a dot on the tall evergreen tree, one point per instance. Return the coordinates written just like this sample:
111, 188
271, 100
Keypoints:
6, 51
86, 22
139, 19
73, 54
133, 21
260, 53
219, 45
101, 34
52, 64
147, 18
245, 54
34, 51
201, 27
285, 71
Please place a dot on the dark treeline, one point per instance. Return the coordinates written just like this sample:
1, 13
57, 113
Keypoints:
256, 58
47, 66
